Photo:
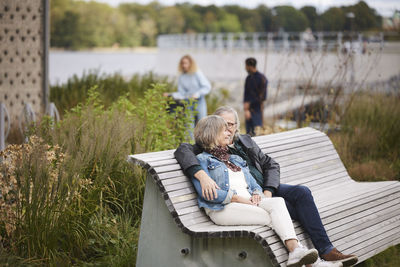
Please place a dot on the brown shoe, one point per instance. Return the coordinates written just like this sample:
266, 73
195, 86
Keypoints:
335, 255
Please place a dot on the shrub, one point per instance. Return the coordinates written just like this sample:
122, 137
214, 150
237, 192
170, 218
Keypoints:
110, 88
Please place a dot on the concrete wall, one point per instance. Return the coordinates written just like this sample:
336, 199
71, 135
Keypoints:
23, 55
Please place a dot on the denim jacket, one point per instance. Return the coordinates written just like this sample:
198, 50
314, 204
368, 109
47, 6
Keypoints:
218, 171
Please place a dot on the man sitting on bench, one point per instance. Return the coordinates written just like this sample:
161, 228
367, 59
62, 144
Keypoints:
298, 198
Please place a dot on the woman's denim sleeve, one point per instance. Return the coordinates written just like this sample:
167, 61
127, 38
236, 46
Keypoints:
256, 188
224, 196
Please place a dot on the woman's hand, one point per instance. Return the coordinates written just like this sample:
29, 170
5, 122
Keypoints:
240, 199
255, 199
208, 186
166, 94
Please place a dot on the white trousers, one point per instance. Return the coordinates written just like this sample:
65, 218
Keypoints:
270, 211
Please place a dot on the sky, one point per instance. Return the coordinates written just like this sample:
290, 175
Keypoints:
384, 7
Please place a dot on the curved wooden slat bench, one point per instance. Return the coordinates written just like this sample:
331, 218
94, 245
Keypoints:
361, 218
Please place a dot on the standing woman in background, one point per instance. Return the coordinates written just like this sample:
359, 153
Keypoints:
192, 84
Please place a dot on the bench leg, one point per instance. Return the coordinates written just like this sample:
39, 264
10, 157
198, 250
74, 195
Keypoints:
162, 243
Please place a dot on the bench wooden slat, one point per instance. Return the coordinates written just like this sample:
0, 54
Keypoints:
300, 148
283, 148
270, 142
380, 229
377, 246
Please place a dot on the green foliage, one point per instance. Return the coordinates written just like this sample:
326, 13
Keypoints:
85, 24
109, 86
333, 19
312, 16
71, 196
290, 19
171, 20
365, 18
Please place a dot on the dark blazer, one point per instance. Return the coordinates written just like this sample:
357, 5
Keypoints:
186, 153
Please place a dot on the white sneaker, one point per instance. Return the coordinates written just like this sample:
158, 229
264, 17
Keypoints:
302, 256
322, 263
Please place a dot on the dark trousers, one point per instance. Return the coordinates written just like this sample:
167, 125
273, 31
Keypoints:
255, 120
301, 206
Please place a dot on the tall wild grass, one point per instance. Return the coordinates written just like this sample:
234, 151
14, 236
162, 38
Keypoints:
68, 196
368, 141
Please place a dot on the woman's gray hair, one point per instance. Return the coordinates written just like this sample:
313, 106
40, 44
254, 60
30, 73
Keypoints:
207, 130
227, 109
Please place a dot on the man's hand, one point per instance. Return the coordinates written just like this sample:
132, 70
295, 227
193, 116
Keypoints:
255, 199
247, 115
267, 194
246, 108
208, 186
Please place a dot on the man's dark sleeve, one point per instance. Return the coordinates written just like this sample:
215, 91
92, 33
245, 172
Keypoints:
266, 89
185, 154
269, 167
271, 173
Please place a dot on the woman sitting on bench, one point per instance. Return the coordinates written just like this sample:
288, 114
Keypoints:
240, 199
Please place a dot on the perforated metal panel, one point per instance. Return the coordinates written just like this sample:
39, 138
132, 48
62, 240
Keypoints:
23, 55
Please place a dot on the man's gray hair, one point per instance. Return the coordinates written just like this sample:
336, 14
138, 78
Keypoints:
207, 130
227, 109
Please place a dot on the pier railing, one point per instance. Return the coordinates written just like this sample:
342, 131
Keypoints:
275, 41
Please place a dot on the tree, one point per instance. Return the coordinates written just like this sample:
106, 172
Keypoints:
171, 20
148, 29
266, 18
291, 19
365, 18
312, 16
211, 22
230, 23
193, 19
333, 19
64, 31
250, 19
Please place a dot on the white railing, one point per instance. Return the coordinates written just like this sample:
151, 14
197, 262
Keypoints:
276, 41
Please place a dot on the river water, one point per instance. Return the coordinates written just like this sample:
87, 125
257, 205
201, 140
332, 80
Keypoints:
64, 64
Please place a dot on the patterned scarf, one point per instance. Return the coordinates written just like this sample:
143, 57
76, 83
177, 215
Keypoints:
222, 153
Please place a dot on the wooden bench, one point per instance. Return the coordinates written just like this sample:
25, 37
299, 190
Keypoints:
361, 218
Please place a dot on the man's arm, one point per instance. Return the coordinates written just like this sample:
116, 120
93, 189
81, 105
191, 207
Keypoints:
247, 98
185, 154
270, 168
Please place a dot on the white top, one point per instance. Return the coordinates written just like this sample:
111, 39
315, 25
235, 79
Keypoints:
238, 183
